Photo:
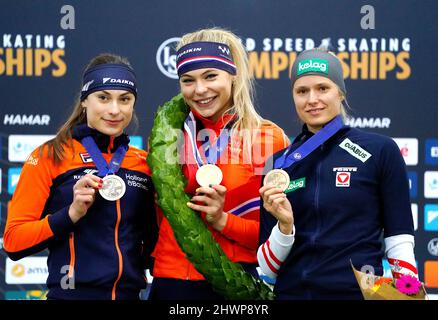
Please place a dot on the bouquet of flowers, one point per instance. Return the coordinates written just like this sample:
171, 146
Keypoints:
407, 287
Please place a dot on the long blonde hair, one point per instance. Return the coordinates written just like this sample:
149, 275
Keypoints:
55, 146
247, 118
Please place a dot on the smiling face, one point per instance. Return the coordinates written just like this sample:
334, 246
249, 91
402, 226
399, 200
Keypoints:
317, 101
109, 111
208, 91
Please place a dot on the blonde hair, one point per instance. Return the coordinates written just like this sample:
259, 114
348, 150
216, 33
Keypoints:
243, 85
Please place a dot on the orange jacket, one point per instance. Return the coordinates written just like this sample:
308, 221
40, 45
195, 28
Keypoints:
104, 249
239, 238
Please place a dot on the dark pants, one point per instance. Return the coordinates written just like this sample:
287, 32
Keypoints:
178, 289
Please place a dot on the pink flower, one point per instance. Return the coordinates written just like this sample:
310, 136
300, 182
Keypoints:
408, 284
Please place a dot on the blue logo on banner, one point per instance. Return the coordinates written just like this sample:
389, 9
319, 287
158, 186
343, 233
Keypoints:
386, 269
136, 141
413, 183
432, 151
13, 176
431, 217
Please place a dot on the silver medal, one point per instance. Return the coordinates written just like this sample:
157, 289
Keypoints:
113, 188
278, 178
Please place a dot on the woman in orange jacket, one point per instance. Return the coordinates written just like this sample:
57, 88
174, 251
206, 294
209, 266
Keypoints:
223, 133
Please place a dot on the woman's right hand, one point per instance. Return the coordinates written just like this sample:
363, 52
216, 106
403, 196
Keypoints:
84, 193
276, 202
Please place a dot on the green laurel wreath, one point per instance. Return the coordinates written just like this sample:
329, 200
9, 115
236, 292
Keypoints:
227, 278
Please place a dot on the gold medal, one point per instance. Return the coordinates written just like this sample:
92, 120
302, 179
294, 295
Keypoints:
113, 188
209, 174
278, 178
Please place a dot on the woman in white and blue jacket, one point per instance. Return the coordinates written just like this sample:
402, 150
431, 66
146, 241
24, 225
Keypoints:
347, 188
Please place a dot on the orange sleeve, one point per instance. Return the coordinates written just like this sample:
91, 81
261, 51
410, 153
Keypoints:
245, 230
24, 226
242, 230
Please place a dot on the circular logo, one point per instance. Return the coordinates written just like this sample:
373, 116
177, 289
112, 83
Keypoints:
18, 270
297, 155
166, 57
432, 247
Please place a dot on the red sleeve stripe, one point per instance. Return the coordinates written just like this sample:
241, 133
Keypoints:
273, 269
403, 264
272, 255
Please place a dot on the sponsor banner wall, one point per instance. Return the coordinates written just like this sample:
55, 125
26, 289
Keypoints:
388, 59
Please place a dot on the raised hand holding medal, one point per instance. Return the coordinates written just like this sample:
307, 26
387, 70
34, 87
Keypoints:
210, 197
113, 186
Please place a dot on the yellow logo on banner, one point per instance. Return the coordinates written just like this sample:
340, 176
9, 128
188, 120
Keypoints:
18, 270
31, 55
364, 59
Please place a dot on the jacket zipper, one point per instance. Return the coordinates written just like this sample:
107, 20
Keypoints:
119, 253
71, 268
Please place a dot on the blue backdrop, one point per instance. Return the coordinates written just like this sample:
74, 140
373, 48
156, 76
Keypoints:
391, 81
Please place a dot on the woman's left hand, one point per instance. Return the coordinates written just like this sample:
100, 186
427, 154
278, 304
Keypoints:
213, 198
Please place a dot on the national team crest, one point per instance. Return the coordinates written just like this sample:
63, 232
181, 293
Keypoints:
86, 158
343, 179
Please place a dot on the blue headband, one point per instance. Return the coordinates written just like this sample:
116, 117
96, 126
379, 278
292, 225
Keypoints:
198, 55
108, 76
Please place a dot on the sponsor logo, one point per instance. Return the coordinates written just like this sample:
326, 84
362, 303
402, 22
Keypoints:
224, 50
90, 171
296, 184
30, 270
431, 151
13, 177
87, 85
431, 275
166, 57
21, 146
431, 217
386, 269
136, 141
431, 184
343, 179
432, 247
309, 65
136, 181
409, 150
297, 155
413, 184
85, 157
26, 295
355, 150
345, 169
24, 119
414, 210
120, 81
32, 160
381, 123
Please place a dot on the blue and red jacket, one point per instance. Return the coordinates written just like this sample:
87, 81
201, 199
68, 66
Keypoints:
109, 248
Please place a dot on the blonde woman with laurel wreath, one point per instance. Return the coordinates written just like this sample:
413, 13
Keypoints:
217, 86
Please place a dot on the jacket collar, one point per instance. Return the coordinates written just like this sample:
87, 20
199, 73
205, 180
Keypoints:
105, 143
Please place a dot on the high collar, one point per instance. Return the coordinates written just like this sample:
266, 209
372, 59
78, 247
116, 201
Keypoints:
214, 125
103, 141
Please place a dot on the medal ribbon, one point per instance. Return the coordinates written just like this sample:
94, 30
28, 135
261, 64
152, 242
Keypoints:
211, 152
306, 148
101, 164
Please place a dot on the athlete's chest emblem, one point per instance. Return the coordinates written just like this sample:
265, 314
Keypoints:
86, 158
343, 176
